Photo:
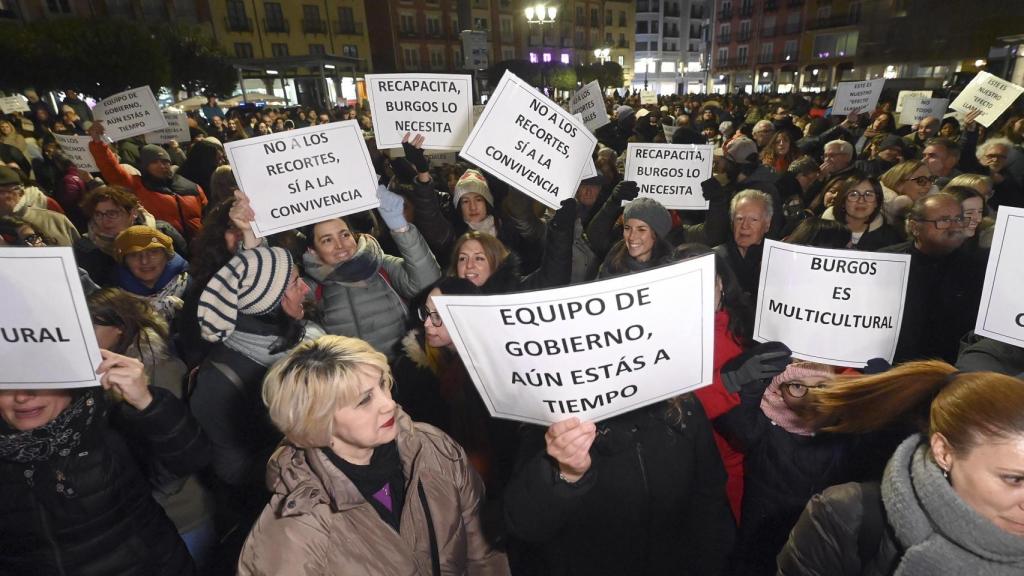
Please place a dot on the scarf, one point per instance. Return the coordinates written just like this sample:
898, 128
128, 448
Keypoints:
255, 343
486, 226
57, 438
106, 243
359, 268
940, 533
174, 274
381, 482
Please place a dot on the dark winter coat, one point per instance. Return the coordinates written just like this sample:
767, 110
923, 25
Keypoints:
91, 512
747, 268
653, 501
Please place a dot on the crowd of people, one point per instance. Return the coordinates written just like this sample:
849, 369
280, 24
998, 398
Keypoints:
296, 405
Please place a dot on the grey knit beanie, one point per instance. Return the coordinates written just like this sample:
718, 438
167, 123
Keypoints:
651, 212
150, 153
251, 283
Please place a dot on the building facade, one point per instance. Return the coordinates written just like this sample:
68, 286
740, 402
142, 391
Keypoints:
757, 45
671, 45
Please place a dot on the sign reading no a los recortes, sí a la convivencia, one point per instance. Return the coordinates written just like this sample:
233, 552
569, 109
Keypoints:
304, 176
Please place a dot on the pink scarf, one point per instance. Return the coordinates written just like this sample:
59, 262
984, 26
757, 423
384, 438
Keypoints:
774, 406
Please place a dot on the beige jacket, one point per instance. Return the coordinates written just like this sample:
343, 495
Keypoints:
317, 522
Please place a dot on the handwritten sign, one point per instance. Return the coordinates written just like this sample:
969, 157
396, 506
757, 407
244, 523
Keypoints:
530, 142
130, 113
439, 106
988, 94
917, 108
670, 173
46, 334
1001, 314
76, 149
591, 350
12, 104
839, 307
648, 97
304, 176
589, 103
852, 96
177, 129
904, 94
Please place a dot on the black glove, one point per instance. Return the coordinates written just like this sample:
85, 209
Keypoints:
415, 156
712, 189
764, 361
876, 366
625, 191
565, 217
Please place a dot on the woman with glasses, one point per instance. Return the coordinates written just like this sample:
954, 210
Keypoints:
148, 267
908, 181
859, 207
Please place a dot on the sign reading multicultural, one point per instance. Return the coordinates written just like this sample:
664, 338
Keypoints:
838, 307
859, 96
46, 334
530, 142
588, 101
988, 94
1001, 314
130, 113
591, 350
177, 129
670, 173
439, 106
76, 149
304, 176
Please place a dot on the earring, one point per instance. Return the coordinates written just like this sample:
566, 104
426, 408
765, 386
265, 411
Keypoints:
945, 473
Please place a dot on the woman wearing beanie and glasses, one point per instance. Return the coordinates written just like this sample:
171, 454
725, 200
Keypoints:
252, 312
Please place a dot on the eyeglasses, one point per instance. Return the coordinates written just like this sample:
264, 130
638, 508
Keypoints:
858, 196
996, 156
798, 389
33, 240
945, 223
425, 313
922, 180
109, 214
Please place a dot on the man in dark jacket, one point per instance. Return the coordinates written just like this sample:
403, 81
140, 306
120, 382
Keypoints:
751, 215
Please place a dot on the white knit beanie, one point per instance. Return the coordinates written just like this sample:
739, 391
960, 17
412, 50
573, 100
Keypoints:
252, 283
472, 181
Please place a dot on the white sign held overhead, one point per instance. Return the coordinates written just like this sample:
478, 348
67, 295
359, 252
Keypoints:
648, 97
130, 113
904, 94
47, 338
838, 307
917, 108
528, 141
177, 129
439, 106
76, 149
591, 350
1001, 314
588, 101
988, 94
304, 176
12, 104
670, 173
857, 96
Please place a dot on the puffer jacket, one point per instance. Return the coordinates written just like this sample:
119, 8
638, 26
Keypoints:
318, 522
372, 308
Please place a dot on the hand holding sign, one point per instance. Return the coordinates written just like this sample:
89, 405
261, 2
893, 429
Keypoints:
413, 149
568, 443
126, 378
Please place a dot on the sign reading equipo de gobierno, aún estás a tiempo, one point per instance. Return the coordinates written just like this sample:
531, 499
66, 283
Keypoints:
130, 113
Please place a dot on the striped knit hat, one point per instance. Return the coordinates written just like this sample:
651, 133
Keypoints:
251, 283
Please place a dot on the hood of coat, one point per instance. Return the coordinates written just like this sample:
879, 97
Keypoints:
506, 278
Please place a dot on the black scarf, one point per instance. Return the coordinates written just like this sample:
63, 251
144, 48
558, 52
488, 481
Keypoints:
385, 468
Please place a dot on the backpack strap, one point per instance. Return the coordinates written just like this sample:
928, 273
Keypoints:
435, 559
872, 523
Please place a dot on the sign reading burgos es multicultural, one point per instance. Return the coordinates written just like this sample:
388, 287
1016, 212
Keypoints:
1001, 314
46, 334
130, 113
670, 173
839, 307
591, 350
530, 142
439, 106
304, 176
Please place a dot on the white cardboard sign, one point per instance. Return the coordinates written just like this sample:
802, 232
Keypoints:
177, 129
76, 149
130, 113
591, 350
46, 335
439, 106
589, 102
838, 307
989, 94
904, 94
12, 104
862, 96
917, 108
648, 97
670, 173
1001, 314
304, 176
530, 142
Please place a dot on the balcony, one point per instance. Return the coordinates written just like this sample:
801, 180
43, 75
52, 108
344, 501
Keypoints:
724, 38
765, 59
792, 28
671, 13
623, 44
832, 22
350, 28
696, 13
314, 26
725, 14
696, 34
746, 11
771, 6
238, 24
768, 32
407, 33
743, 36
276, 26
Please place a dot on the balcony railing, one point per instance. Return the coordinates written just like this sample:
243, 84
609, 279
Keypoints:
351, 28
768, 32
276, 26
696, 13
696, 34
406, 32
765, 59
314, 26
743, 36
725, 14
237, 24
672, 13
792, 28
724, 38
746, 11
832, 22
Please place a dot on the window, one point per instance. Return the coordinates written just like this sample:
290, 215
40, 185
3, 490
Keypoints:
594, 20
457, 57
789, 51
744, 30
411, 58
273, 12
533, 57
741, 54
279, 49
766, 53
350, 50
506, 27
564, 58
668, 66
579, 16
855, 8
547, 57
243, 50
622, 60
622, 18
317, 50
455, 27
407, 23
434, 25
608, 15
346, 20
654, 46
793, 22
479, 23
641, 46
824, 12
654, 26
437, 58
725, 33
237, 19
723, 56
311, 22
832, 45
508, 53
768, 26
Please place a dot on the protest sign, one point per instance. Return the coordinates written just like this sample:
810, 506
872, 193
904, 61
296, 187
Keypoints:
857, 96
439, 106
130, 113
904, 94
177, 129
304, 176
838, 307
1001, 314
46, 334
917, 108
528, 141
670, 173
591, 350
989, 94
76, 149
12, 104
648, 97
589, 102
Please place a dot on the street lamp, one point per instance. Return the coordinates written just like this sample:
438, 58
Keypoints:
541, 15
602, 54
647, 63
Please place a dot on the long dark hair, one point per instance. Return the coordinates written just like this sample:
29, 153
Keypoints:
213, 251
734, 300
619, 261
133, 316
201, 162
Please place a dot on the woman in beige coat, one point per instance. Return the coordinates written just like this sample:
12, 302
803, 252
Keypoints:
359, 488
